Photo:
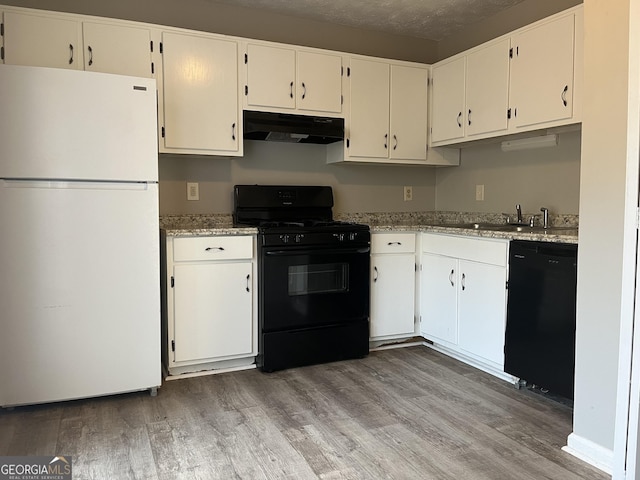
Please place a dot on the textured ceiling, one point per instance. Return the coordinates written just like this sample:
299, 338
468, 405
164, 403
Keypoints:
431, 19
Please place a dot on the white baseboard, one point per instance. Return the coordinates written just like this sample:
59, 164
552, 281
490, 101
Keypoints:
590, 452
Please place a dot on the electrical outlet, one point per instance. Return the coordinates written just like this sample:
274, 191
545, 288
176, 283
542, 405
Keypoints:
480, 192
408, 194
193, 191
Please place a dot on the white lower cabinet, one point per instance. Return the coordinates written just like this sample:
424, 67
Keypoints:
393, 274
463, 297
210, 298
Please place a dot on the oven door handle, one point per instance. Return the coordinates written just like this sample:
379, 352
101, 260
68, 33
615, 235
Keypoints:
311, 251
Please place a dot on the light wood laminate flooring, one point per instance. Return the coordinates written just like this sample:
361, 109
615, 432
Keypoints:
408, 413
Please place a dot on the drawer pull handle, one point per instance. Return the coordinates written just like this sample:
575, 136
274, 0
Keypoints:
208, 249
248, 277
394, 243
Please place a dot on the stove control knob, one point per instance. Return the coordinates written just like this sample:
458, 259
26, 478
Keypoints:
284, 238
352, 236
339, 236
298, 238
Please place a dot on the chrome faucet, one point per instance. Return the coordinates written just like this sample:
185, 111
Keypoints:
545, 217
519, 212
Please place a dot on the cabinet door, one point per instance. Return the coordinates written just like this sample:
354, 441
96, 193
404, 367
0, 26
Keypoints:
542, 73
438, 298
448, 101
117, 49
319, 82
482, 310
213, 313
392, 295
200, 92
408, 113
271, 75
487, 89
42, 41
368, 133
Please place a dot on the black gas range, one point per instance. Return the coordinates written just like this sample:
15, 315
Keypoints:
313, 276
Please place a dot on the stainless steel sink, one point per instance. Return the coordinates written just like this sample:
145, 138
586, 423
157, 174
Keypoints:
506, 227
528, 229
473, 226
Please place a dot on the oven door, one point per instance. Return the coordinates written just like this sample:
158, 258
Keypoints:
304, 287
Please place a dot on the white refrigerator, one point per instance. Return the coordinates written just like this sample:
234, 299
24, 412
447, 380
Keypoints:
79, 235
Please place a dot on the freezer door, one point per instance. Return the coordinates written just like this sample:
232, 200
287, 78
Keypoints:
79, 290
67, 124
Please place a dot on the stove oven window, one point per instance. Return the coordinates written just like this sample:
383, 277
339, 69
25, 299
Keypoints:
318, 278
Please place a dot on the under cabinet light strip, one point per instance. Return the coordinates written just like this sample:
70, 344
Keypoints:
529, 143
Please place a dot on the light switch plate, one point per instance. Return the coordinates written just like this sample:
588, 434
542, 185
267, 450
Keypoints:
480, 192
408, 194
193, 191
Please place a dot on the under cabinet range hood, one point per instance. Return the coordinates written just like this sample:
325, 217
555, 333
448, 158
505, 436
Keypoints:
284, 127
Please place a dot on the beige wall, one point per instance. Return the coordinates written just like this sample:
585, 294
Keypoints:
357, 188
506, 21
547, 177
209, 16
608, 202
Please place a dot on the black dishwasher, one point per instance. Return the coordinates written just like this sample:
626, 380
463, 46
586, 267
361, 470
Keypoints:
541, 315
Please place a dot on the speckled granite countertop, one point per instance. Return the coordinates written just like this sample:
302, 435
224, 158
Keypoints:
202, 226
551, 235
435, 222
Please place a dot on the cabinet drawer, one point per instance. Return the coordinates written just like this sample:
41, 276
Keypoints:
212, 248
393, 243
484, 250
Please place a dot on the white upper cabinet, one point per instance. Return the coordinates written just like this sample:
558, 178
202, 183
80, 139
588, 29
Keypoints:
448, 101
271, 73
408, 113
117, 49
487, 89
368, 129
528, 80
199, 95
285, 78
542, 73
59, 42
387, 116
44, 41
319, 82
